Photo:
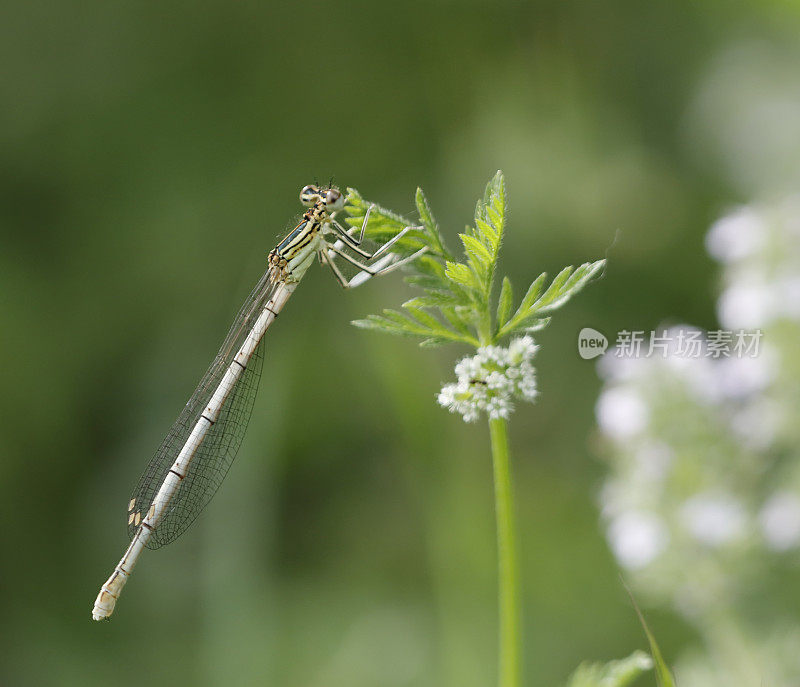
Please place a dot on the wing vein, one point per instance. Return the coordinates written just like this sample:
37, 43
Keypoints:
218, 448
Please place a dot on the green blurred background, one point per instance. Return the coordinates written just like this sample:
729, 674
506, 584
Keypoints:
152, 154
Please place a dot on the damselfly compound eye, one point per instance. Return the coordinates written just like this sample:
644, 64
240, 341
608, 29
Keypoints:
309, 195
334, 199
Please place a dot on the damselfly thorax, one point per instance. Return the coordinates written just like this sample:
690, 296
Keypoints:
194, 457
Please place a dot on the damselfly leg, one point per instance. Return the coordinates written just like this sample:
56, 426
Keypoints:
387, 263
355, 243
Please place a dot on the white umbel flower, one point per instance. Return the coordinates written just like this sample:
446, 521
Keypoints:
714, 519
737, 236
490, 380
637, 538
780, 521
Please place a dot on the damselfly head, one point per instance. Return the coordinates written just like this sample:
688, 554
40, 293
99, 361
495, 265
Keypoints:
332, 197
310, 195
334, 200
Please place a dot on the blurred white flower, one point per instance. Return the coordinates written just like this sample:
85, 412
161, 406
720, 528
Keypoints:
780, 521
637, 538
621, 412
610, 497
693, 439
614, 368
714, 519
746, 305
746, 116
653, 460
757, 423
788, 288
736, 236
702, 380
490, 379
740, 377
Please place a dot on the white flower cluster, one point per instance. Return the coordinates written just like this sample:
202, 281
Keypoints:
489, 380
691, 442
702, 502
759, 247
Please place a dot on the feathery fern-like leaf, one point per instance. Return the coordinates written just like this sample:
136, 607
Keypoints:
456, 304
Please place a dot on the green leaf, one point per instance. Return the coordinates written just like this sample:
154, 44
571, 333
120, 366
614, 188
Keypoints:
425, 213
537, 324
556, 297
524, 307
532, 294
434, 342
382, 324
481, 246
424, 281
399, 318
566, 284
489, 235
434, 299
477, 251
494, 203
421, 316
554, 290
369, 322
452, 316
505, 302
490, 219
431, 227
463, 275
613, 674
457, 295
498, 186
583, 275
356, 205
663, 676
428, 265
417, 323
494, 216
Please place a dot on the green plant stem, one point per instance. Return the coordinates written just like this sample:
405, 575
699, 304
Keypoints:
508, 573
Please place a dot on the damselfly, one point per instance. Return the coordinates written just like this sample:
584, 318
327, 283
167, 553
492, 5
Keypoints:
194, 458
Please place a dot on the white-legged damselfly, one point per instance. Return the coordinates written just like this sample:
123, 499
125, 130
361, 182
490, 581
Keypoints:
194, 458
